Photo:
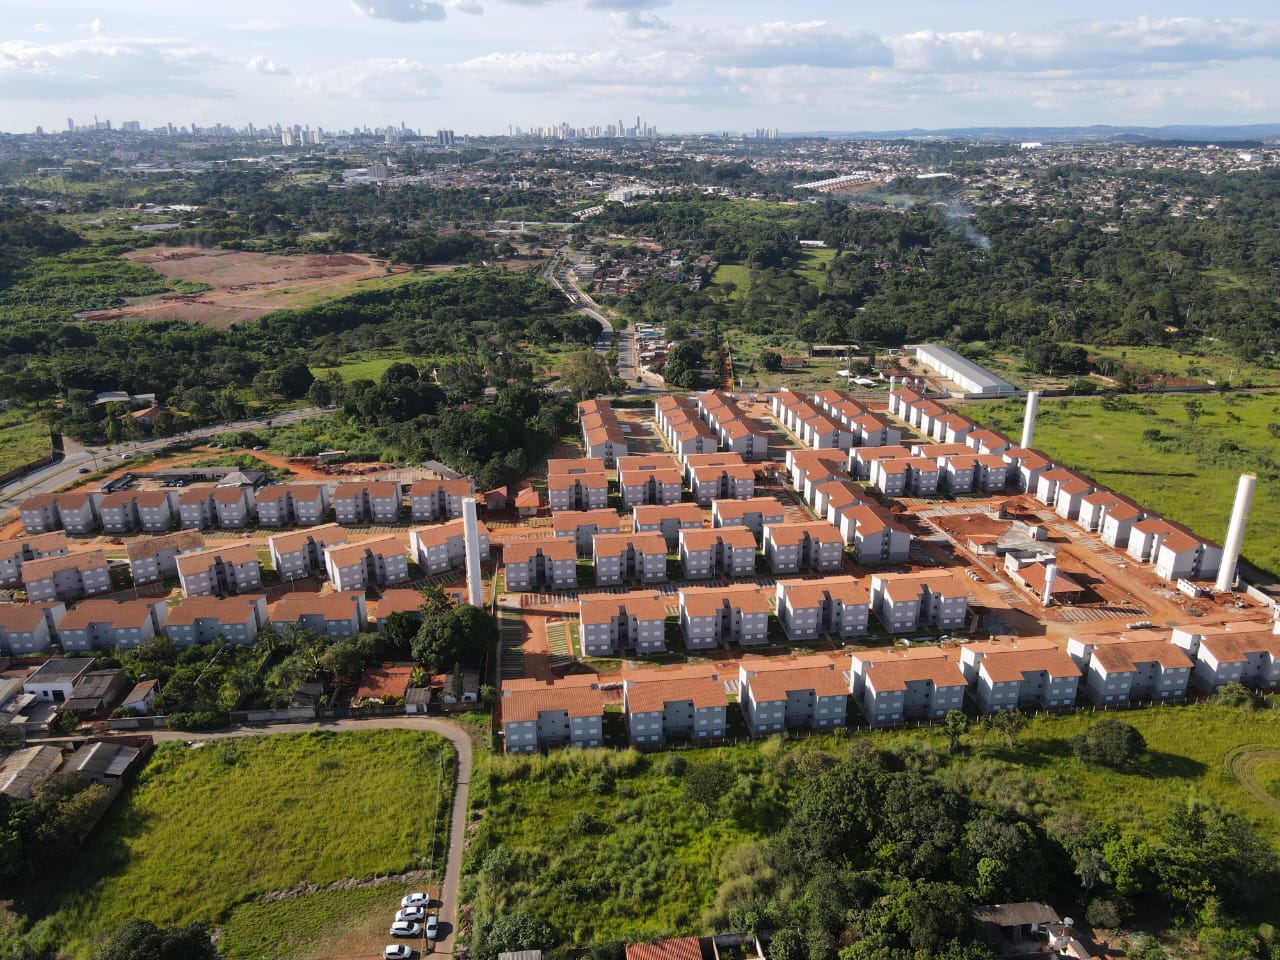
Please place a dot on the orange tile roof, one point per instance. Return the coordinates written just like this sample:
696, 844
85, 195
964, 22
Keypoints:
389, 679
126, 613
1033, 575
442, 533
329, 534
46, 567
230, 495
225, 609
806, 594
40, 543
396, 600
610, 544
528, 497
630, 478
152, 546
695, 460
235, 553
151, 498
23, 617
682, 948
1122, 654
554, 548
461, 487
656, 513
1012, 664
641, 604
648, 461
737, 537
562, 466
345, 555
331, 606
791, 534
569, 521
737, 509
567, 481
522, 701
776, 683
1230, 642
652, 690
706, 601
893, 669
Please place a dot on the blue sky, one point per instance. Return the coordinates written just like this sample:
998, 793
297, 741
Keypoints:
477, 66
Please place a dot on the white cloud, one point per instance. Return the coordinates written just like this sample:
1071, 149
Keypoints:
265, 66
466, 6
375, 80
401, 11
259, 26
659, 75
100, 65
815, 43
1085, 46
626, 4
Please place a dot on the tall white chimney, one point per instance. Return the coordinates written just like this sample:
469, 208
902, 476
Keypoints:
893, 384
1235, 533
1029, 419
1050, 575
471, 530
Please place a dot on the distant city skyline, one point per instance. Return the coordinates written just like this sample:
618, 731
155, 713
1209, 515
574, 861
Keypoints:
488, 66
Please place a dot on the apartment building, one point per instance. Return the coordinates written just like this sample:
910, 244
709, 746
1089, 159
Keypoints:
205, 619
542, 715
220, 570
907, 602
876, 537
118, 512
334, 615
718, 616
804, 693
1123, 667
1247, 652
578, 491
745, 437
990, 442
838, 607
733, 481
649, 485
687, 704
1063, 490
626, 557
300, 553
376, 501
862, 459
75, 512
27, 629
792, 547
667, 520
1025, 673
434, 500
380, 562
1110, 515
808, 468
14, 553
582, 526
727, 551
106, 624
1026, 468
66, 577
755, 514
156, 558
908, 477
233, 506
195, 508
540, 564
444, 546
575, 466
1175, 551
893, 686
611, 624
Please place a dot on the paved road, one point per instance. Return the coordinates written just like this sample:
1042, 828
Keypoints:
461, 741
557, 274
67, 469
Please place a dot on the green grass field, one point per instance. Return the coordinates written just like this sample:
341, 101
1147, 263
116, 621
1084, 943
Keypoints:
24, 436
648, 861
737, 274
1189, 475
370, 368
813, 264
1201, 366
388, 282
209, 829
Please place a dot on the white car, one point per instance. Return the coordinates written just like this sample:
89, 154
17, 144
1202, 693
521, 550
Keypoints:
410, 913
403, 928
415, 900
433, 927
397, 951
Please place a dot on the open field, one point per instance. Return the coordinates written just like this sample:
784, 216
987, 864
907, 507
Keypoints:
1187, 472
649, 860
208, 831
246, 285
24, 436
813, 264
366, 368
737, 274
1199, 366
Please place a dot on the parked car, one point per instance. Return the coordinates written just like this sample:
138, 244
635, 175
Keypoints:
410, 913
84, 470
397, 951
403, 928
433, 926
415, 900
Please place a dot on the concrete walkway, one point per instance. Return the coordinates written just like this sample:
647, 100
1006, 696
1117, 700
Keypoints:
455, 734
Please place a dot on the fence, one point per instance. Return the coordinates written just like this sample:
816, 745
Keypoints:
17, 473
283, 715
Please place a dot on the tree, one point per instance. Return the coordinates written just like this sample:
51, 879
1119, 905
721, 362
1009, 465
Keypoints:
705, 783
516, 931
455, 684
584, 373
955, 725
1008, 723
143, 940
1109, 742
771, 360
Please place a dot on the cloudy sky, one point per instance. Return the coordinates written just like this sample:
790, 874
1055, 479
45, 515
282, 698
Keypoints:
477, 66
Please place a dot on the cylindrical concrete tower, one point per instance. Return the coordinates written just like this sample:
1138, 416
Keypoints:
1235, 532
1029, 419
471, 530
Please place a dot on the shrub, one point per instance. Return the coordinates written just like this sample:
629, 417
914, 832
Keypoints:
196, 720
674, 765
1109, 742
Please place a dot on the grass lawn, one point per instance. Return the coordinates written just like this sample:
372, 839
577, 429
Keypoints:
734, 273
388, 282
813, 262
208, 829
1189, 475
1199, 365
24, 436
641, 860
366, 368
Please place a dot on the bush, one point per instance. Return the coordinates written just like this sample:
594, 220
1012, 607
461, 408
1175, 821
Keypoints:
1103, 913
674, 765
1236, 695
196, 720
1109, 742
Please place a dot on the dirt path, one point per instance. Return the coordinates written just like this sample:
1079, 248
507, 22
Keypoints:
1242, 762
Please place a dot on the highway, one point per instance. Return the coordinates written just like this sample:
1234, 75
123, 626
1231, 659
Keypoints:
79, 457
557, 274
